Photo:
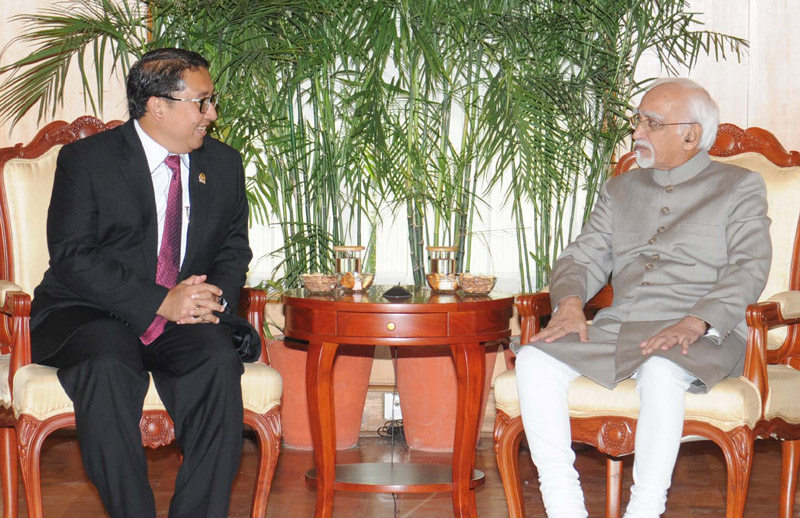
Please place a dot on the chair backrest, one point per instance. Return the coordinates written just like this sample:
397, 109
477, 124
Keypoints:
26, 184
758, 150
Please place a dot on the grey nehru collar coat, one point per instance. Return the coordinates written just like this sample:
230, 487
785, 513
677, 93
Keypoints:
693, 240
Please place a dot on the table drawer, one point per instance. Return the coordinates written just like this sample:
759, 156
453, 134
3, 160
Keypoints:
405, 325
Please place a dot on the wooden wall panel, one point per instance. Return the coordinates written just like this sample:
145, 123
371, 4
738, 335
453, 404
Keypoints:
774, 74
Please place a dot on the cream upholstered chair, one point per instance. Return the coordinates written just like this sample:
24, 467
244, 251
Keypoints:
773, 323
31, 396
733, 413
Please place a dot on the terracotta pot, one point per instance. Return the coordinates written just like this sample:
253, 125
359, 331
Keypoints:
351, 370
426, 385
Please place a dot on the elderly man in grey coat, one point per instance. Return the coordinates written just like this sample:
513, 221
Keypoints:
686, 243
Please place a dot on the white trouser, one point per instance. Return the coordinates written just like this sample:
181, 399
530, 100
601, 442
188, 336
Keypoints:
542, 383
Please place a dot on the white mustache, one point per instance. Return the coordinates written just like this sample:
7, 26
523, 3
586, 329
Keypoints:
644, 144
644, 161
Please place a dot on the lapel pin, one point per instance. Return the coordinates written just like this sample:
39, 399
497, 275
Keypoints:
202, 178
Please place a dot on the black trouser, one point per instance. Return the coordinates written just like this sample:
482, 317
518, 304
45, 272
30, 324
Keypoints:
103, 368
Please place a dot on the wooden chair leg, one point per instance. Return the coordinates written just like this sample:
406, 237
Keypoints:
613, 487
507, 436
737, 446
789, 465
30, 436
268, 431
8, 465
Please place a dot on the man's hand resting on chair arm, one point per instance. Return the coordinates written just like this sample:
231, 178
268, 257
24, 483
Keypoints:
684, 333
568, 318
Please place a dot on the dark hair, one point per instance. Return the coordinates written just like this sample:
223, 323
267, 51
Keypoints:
159, 73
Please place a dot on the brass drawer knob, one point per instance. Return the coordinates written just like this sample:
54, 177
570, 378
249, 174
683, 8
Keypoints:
390, 326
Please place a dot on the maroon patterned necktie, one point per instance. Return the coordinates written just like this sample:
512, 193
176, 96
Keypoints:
169, 256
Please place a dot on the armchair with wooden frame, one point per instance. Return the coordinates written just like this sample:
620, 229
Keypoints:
762, 402
32, 401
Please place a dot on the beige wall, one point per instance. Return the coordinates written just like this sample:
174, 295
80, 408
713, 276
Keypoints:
74, 106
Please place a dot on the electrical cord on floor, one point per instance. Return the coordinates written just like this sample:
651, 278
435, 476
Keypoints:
393, 429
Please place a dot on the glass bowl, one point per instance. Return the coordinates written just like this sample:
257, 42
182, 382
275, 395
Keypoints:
320, 282
356, 281
443, 283
475, 284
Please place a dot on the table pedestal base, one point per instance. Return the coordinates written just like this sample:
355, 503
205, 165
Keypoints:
383, 477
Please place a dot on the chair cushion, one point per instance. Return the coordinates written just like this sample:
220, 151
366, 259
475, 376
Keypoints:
5, 288
776, 337
731, 403
5, 394
783, 184
28, 179
784, 387
38, 393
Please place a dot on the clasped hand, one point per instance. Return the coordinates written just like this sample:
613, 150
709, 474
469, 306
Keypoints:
192, 301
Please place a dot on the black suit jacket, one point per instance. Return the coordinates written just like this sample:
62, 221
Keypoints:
102, 234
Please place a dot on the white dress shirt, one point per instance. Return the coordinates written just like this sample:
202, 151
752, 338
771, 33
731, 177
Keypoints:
161, 175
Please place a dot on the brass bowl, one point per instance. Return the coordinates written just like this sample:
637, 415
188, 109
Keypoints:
443, 283
356, 281
473, 284
320, 282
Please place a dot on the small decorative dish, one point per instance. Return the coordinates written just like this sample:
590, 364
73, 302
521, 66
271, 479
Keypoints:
320, 282
356, 281
474, 284
443, 283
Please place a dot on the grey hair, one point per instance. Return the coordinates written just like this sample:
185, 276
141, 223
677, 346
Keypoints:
701, 108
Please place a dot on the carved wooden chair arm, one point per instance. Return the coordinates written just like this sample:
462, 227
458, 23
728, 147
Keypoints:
789, 311
533, 306
15, 333
251, 306
762, 317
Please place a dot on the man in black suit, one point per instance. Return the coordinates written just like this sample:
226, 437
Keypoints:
147, 233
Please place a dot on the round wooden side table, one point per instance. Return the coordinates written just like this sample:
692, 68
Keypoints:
464, 323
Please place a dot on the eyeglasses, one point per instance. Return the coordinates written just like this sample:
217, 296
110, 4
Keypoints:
204, 102
652, 124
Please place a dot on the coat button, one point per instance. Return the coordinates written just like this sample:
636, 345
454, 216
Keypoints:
652, 241
649, 266
661, 229
665, 210
656, 257
669, 188
645, 283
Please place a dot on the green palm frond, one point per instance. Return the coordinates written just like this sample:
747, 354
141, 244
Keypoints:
349, 110
64, 35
